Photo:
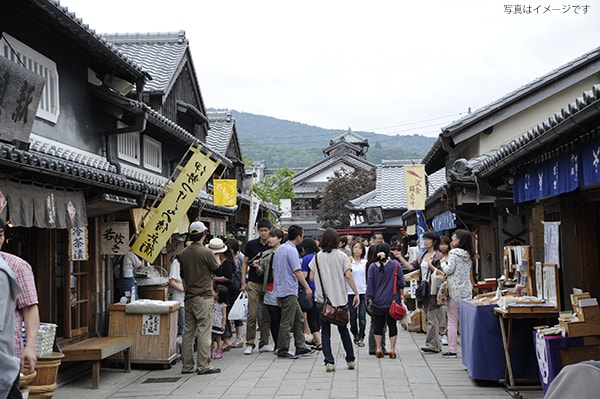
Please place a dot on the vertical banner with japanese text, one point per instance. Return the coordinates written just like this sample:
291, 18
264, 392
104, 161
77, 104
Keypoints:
175, 204
114, 238
414, 178
78, 244
254, 208
225, 192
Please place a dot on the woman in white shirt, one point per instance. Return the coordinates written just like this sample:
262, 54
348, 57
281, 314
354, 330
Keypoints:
358, 316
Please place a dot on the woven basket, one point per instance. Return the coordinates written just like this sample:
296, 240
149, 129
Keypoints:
45, 339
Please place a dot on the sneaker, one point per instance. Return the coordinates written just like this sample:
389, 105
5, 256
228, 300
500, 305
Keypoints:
329, 367
219, 354
444, 339
304, 351
351, 365
426, 349
248, 351
287, 356
266, 348
450, 355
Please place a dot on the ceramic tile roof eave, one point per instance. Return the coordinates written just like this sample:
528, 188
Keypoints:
524, 91
91, 39
324, 163
582, 109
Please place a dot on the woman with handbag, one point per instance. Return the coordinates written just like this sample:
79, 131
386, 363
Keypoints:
331, 270
429, 263
380, 292
459, 282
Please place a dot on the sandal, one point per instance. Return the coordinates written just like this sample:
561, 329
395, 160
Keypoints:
237, 345
360, 343
318, 347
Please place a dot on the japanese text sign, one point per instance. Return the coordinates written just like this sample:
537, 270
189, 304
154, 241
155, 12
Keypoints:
114, 238
414, 178
78, 243
20, 91
151, 324
174, 206
225, 192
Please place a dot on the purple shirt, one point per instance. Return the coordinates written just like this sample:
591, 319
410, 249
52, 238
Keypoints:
380, 283
285, 262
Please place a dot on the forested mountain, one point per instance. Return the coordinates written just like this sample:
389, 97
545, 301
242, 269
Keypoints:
296, 145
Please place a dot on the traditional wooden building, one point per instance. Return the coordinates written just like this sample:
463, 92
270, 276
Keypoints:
528, 158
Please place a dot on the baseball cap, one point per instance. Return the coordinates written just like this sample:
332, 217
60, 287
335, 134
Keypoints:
197, 227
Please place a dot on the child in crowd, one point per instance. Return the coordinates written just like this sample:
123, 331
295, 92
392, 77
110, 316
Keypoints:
220, 295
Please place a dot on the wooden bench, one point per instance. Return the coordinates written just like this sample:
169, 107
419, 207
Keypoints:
97, 349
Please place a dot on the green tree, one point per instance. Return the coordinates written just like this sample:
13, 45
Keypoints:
275, 186
341, 188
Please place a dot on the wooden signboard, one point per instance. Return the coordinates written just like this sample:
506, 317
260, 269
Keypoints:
551, 287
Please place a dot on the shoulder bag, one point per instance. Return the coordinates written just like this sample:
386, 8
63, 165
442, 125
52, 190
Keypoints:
423, 289
337, 315
397, 308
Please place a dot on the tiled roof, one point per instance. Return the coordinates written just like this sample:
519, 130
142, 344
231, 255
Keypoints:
319, 166
349, 137
523, 144
158, 53
308, 188
437, 180
390, 192
94, 41
220, 131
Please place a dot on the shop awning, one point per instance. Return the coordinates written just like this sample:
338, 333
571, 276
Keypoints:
28, 205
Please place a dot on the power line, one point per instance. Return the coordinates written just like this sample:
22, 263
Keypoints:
417, 122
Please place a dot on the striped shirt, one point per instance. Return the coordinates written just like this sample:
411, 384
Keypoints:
27, 296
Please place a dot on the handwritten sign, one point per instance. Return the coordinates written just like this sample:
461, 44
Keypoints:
414, 179
174, 206
151, 324
114, 238
78, 243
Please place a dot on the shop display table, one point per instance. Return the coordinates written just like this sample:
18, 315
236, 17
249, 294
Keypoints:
482, 347
555, 351
534, 314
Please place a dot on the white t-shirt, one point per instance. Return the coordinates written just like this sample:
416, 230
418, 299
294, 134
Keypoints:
359, 273
175, 274
425, 272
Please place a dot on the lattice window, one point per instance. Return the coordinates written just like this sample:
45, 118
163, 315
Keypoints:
128, 147
152, 154
48, 108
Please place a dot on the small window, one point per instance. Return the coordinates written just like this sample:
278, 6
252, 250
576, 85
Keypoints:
24, 55
152, 154
128, 147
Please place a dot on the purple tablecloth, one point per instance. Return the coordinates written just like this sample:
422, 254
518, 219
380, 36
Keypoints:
547, 350
482, 348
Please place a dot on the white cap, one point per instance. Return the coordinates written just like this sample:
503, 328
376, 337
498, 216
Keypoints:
197, 227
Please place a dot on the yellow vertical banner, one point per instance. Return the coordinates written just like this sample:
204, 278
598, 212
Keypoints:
414, 178
175, 204
225, 192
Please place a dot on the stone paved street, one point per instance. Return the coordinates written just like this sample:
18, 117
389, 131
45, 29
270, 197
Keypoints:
262, 375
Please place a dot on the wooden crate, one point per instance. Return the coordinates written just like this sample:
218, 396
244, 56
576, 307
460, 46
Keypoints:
156, 292
152, 349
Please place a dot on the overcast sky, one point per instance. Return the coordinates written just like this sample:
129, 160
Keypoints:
387, 66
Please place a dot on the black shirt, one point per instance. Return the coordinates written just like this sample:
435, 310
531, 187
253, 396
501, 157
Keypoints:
253, 248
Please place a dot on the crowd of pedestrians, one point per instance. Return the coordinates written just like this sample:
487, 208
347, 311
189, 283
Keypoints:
288, 278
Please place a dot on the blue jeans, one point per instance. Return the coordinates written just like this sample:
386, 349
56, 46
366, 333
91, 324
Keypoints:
180, 321
326, 340
358, 329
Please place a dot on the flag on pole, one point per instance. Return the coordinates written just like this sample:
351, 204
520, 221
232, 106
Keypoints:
414, 179
225, 192
421, 229
175, 204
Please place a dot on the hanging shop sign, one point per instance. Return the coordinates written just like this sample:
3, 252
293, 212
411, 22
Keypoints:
78, 244
444, 221
225, 192
20, 91
414, 178
114, 238
175, 204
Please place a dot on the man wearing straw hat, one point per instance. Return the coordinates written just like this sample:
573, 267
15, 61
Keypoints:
197, 263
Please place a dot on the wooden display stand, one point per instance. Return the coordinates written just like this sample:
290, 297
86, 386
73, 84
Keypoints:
588, 322
158, 348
